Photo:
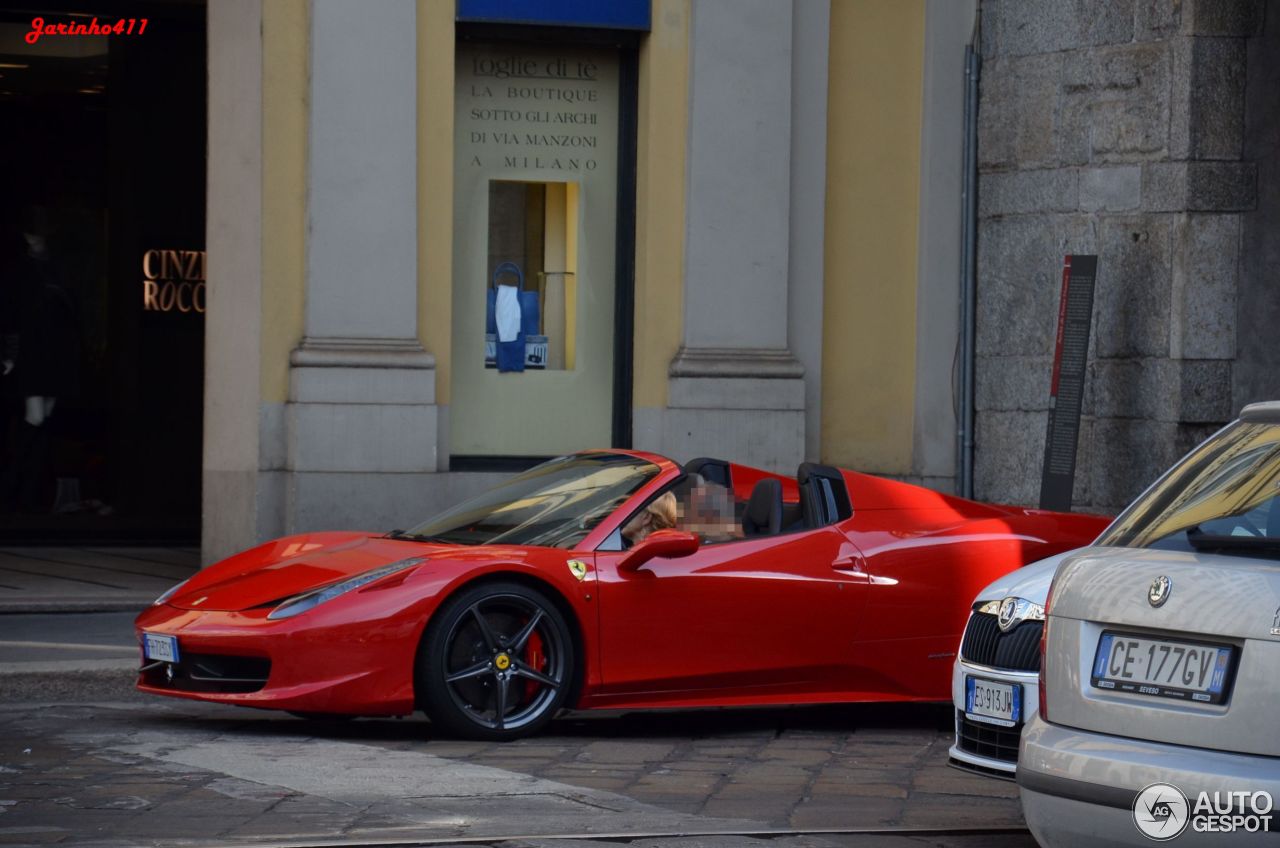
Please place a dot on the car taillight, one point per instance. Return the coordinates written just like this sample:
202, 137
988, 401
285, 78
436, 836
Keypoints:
1044, 639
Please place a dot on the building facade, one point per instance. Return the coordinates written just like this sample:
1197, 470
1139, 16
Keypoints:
1144, 133
736, 222
446, 238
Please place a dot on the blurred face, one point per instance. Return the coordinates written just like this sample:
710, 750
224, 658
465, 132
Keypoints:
702, 512
638, 527
710, 512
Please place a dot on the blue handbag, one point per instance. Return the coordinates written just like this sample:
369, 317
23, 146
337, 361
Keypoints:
528, 350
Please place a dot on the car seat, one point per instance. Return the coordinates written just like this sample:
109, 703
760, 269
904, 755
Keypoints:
763, 516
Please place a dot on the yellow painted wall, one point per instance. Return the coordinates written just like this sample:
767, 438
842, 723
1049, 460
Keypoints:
663, 93
435, 184
874, 104
573, 226
285, 48
660, 169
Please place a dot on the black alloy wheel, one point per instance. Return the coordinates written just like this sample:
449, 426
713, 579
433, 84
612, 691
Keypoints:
497, 662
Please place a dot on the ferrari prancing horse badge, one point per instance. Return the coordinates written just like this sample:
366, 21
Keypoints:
579, 569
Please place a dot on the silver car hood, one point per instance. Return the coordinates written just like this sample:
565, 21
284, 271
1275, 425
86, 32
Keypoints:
1030, 582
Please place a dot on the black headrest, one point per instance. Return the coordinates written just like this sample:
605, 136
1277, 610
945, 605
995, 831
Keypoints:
685, 484
827, 498
764, 511
713, 470
814, 469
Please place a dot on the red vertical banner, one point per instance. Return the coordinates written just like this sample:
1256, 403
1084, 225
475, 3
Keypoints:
1066, 390
1062, 322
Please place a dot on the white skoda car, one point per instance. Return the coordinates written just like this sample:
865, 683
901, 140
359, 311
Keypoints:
1160, 692
995, 680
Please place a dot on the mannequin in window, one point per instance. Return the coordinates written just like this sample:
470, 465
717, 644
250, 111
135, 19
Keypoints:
40, 357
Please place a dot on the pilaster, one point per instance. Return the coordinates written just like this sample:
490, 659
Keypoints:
736, 389
230, 493
362, 388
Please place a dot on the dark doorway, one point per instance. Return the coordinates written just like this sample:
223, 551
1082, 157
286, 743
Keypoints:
102, 205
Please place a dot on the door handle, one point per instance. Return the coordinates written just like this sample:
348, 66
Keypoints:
853, 562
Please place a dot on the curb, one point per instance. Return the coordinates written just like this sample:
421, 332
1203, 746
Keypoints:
68, 681
55, 605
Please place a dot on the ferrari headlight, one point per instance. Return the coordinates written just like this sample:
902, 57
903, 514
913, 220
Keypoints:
173, 590
309, 600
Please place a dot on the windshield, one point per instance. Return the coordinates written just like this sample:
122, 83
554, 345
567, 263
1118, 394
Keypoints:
1223, 497
555, 504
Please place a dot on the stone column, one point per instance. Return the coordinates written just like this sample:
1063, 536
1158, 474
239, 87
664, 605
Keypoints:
1119, 131
736, 390
810, 40
948, 26
1256, 371
362, 388
233, 318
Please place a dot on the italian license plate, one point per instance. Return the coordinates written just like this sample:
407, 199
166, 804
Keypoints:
158, 647
992, 702
1162, 668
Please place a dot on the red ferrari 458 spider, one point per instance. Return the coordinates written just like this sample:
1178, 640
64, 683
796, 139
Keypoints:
605, 579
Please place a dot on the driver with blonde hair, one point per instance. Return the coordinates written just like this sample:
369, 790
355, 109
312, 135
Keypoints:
658, 515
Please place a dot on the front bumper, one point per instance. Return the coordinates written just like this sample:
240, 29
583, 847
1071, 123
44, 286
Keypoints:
987, 748
312, 663
1078, 788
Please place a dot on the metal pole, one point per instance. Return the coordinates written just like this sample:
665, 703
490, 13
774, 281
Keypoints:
968, 269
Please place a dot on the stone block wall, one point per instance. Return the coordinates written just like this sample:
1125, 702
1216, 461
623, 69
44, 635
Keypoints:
1116, 128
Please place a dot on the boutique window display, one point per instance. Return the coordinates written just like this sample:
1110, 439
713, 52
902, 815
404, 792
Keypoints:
535, 220
530, 306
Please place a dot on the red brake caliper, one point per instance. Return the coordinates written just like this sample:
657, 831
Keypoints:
534, 658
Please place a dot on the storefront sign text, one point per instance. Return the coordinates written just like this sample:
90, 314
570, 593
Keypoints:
173, 281
527, 111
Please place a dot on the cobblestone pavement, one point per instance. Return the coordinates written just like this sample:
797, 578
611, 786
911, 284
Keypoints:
149, 772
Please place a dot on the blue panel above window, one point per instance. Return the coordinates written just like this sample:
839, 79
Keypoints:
612, 14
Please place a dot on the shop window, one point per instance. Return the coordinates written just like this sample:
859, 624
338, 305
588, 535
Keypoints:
535, 267
531, 297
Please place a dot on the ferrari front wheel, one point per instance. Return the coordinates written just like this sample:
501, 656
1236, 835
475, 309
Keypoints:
496, 662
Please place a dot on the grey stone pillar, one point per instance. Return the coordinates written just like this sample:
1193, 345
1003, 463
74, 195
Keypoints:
1116, 129
362, 388
1256, 373
736, 390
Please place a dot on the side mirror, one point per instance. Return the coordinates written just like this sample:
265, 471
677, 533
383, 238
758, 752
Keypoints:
660, 543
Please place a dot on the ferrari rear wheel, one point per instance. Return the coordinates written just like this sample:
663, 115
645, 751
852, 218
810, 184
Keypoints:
497, 662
